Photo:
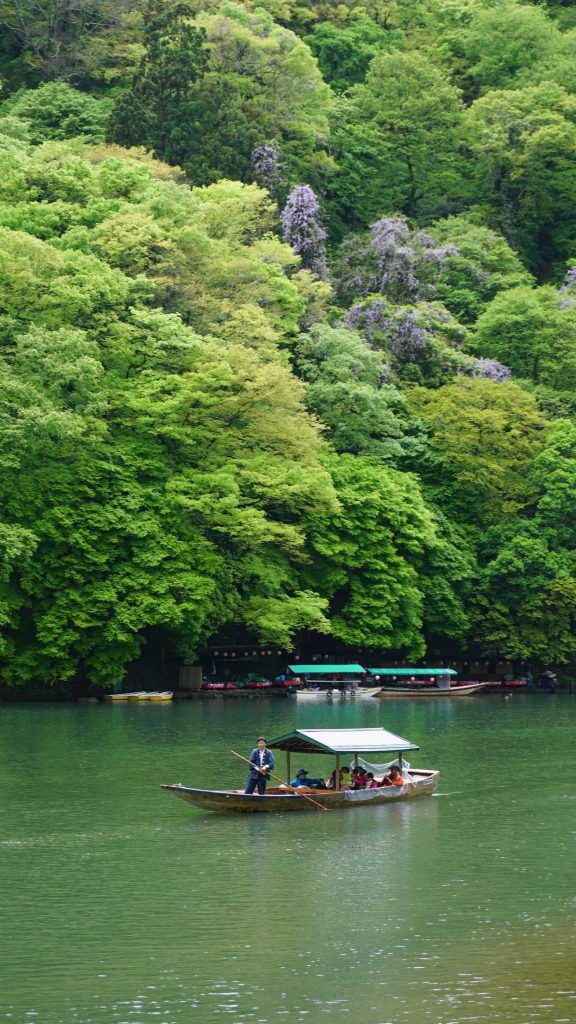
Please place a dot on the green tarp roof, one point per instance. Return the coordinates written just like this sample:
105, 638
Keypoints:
309, 670
411, 671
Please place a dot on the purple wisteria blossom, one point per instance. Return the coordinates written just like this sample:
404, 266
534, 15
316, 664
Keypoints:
407, 263
266, 163
401, 329
568, 287
303, 230
490, 369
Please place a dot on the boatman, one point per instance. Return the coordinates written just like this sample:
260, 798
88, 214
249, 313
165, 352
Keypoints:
262, 761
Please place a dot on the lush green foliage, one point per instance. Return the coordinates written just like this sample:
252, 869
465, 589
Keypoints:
293, 351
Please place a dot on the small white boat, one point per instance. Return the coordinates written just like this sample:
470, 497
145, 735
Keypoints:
332, 682
351, 693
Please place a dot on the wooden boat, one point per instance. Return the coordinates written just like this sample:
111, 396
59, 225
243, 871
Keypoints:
418, 782
332, 682
422, 682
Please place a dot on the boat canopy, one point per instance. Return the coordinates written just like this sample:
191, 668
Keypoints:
341, 741
411, 671
319, 670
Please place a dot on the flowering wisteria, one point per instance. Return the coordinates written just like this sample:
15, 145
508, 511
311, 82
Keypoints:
568, 287
266, 163
407, 263
401, 329
303, 230
490, 369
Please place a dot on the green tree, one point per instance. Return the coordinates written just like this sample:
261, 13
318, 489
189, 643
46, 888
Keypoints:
57, 111
504, 44
157, 110
211, 91
524, 143
89, 42
396, 140
486, 435
347, 389
527, 329
344, 53
368, 555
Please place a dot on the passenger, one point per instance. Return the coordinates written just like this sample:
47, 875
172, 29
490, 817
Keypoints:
358, 779
300, 780
371, 781
394, 778
345, 779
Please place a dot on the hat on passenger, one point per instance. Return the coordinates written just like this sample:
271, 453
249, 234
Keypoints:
301, 771
263, 738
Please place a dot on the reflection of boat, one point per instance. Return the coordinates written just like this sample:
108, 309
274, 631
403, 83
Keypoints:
417, 782
422, 682
332, 682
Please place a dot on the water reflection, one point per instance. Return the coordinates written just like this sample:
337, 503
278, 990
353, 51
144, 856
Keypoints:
124, 904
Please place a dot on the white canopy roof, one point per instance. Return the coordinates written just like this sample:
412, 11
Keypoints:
340, 741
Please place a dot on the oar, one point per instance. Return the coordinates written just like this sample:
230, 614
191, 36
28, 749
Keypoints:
281, 781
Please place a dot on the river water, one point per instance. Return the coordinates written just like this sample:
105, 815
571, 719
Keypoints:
120, 903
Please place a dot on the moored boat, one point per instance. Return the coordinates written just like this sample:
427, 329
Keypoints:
336, 742
422, 682
118, 697
329, 682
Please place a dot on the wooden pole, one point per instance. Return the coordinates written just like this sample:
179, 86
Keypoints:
293, 789
337, 776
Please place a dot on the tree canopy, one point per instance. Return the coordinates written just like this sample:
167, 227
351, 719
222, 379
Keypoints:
287, 329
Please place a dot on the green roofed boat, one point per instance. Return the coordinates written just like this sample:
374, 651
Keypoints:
421, 682
340, 743
327, 682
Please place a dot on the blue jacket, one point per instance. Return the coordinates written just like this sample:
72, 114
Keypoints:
269, 762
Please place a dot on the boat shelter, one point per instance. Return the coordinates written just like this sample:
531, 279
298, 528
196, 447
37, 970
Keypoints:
427, 672
332, 670
341, 741
329, 676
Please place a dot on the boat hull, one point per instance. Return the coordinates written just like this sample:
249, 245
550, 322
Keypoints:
359, 694
432, 691
275, 801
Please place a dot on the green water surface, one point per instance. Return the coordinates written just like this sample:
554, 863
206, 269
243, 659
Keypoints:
120, 903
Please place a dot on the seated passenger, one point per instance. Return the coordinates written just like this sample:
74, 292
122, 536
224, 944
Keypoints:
371, 781
300, 781
358, 779
344, 779
394, 778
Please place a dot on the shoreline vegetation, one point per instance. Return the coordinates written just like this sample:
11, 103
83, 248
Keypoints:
287, 333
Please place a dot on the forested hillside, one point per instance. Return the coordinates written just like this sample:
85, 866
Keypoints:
288, 328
